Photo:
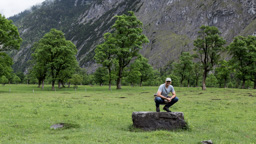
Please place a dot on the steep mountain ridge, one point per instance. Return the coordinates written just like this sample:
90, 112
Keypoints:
171, 25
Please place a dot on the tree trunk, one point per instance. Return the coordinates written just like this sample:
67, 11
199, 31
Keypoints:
204, 86
109, 83
58, 83
243, 84
39, 83
118, 83
109, 86
181, 81
225, 83
141, 82
62, 83
53, 82
197, 79
119, 79
69, 85
204, 79
188, 82
110, 78
43, 84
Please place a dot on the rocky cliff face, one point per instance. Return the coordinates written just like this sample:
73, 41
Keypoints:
170, 25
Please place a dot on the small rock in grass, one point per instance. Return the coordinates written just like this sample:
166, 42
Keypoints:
207, 142
57, 126
64, 126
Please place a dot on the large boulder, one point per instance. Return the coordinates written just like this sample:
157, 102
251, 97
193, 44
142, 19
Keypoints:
158, 120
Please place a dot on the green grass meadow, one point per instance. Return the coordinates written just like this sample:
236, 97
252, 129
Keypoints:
97, 115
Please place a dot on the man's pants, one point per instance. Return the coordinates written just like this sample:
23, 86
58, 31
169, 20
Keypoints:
159, 101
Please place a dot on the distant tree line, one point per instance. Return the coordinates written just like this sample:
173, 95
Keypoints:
212, 64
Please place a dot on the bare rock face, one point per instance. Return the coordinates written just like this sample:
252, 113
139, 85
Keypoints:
158, 120
170, 25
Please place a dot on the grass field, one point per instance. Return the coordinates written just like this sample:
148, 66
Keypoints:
98, 115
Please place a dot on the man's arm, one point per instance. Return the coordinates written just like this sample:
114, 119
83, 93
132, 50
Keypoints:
173, 95
159, 94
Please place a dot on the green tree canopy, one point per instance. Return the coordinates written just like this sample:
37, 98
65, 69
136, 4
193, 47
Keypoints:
223, 72
184, 67
16, 79
208, 46
134, 73
4, 80
127, 39
9, 40
243, 52
5, 65
211, 81
85, 77
144, 68
30, 78
9, 35
76, 80
39, 65
55, 54
175, 79
155, 79
197, 71
100, 75
105, 54
65, 75
21, 76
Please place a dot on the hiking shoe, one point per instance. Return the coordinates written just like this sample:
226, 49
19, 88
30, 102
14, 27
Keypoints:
157, 109
166, 109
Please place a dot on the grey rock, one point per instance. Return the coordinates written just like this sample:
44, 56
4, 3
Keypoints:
207, 142
65, 126
57, 126
158, 120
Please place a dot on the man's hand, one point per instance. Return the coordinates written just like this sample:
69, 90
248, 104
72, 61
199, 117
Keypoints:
169, 99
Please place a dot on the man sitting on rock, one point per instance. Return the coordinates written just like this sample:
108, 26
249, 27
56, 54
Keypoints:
162, 96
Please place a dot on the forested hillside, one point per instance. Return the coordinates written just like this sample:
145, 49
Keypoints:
170, 25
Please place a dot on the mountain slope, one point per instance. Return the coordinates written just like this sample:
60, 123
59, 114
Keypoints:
171, 25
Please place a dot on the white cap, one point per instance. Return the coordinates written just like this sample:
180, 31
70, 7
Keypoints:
168, 79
